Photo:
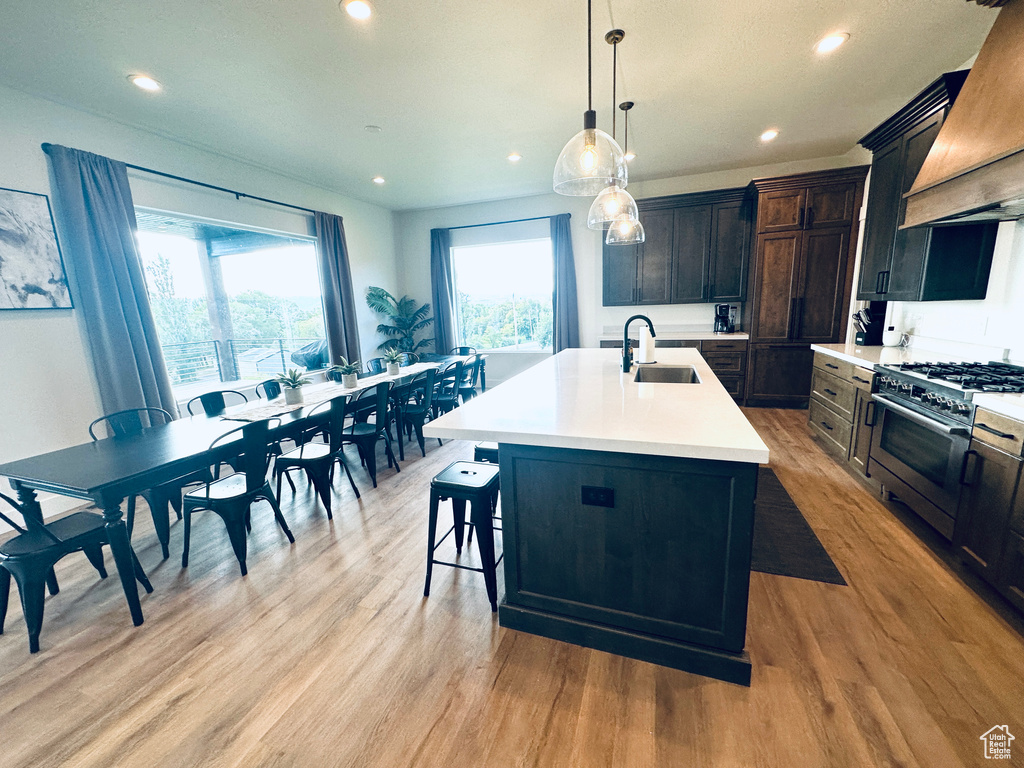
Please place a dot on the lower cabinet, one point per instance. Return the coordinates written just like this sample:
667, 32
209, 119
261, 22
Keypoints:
1011, 578
860, 438
841, 411
779, 375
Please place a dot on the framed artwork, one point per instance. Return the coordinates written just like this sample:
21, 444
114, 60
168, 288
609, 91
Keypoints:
31, 268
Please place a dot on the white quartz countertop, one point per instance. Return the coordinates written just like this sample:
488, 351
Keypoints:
869, 357
580, 399
1009, 404
677, 335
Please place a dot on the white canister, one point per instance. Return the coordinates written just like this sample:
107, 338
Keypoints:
893, 338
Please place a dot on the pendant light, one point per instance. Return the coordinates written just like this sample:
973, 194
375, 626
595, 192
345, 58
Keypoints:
591, 160
625, 231
613, 202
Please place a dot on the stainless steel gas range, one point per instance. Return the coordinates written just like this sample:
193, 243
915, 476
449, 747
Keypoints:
922, 428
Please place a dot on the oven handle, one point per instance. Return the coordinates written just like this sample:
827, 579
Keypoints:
924, 421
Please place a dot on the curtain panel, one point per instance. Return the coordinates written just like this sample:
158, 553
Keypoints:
96, 217
566, 315
339, 297
442, 290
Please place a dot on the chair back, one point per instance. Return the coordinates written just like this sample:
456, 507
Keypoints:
31, 523
375, 365
423, 383
336, 408
128, 422
372, 401
448, 381
215, 402
463, 351
470, 371
253, 447
268, 389
408, 358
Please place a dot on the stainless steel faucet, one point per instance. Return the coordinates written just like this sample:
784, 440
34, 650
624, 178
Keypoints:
627, 351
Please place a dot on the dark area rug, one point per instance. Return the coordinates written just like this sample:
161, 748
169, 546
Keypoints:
784, 543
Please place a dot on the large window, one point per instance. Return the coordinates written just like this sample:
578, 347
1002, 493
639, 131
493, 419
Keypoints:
503, 294
231, 304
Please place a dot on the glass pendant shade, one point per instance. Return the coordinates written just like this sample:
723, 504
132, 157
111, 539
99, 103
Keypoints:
611, 204
590, 161
624, 231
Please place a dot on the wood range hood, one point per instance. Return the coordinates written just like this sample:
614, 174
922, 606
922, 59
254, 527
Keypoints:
975, 169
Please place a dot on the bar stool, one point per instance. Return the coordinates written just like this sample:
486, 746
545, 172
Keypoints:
477, 483
486, 451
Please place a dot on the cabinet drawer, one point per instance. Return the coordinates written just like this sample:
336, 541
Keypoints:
840, 395
847, 371
834, 429
688, 343
999, 431
727, 362
724, 345
734, 385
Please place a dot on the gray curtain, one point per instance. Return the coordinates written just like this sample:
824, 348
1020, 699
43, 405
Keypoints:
339, 298
566, 315
94, 211
442, 290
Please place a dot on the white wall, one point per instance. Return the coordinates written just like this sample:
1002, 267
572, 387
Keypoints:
991, 329
49, 396
413, 239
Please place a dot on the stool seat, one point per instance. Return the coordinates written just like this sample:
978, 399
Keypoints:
465, 476
486, 451
476, 483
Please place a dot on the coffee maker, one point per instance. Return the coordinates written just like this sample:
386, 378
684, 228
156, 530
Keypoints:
723, 322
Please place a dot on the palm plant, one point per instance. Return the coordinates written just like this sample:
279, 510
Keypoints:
405, 320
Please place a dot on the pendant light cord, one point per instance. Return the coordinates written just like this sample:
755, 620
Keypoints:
615, 57
590, 62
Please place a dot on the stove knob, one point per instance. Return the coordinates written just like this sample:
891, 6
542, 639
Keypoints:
944, 403
963, 408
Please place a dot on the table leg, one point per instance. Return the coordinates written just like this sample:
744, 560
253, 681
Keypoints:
483, 376
124, 559
30, 508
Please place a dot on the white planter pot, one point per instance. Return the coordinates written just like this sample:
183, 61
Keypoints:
392, 369
293, 395
349, 380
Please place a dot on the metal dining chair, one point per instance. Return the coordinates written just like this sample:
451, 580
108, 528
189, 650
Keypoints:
268, 390
215, 402
463, 351
376, 365
365, 435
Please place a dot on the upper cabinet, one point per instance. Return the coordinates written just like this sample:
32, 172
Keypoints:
696, 251
921, 263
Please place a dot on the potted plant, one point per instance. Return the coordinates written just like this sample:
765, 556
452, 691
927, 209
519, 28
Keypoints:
292, 382
405, 316
393, 357
346, 371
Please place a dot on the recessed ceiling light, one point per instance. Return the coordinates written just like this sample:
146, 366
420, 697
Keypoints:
378, 179
630, 156
830, 43
769, 135
144, 82
515, 157
373, 129
357, 9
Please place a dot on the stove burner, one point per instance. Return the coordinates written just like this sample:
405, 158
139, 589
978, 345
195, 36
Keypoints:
987, 377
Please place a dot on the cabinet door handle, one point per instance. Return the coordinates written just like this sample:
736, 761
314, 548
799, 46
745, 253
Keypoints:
810, 215
996, 432
869, 413
858, 378
799, 318
829, 365
879, 278
885, 285
830, 392
963, 467
826, 426
800, 217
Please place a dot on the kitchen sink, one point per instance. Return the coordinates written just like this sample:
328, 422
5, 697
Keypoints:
666, 374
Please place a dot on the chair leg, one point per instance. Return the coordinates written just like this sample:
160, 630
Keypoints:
351, 482
5, 593
129, 517
235, 525
481, 517
51, 582
431, 535
370, 457
32, 591
158, 501
390, 453
95, 554
320, 475
459, 513
141, 574
419, 438
268, 494
187, 536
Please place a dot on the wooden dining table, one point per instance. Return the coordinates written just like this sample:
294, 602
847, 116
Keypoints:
108, 471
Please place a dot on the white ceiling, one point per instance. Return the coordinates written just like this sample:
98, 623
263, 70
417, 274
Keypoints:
458, 84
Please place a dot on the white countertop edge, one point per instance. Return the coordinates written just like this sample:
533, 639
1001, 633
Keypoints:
1010, 405
640, 448
681, 335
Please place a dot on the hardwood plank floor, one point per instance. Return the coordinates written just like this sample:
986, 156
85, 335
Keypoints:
328, 655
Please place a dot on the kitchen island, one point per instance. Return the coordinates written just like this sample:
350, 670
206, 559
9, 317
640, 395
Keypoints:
627, 507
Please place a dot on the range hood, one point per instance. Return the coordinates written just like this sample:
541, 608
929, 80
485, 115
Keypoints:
975, 169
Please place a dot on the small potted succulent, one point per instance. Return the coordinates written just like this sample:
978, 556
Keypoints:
346, 371
292, 382
393, 357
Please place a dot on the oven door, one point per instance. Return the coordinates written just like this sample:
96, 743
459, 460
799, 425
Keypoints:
924, 452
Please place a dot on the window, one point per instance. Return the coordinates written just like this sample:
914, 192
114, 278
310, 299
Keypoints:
504, 291
231, 304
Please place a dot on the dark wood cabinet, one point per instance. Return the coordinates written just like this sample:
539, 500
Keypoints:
696, 251
1011, 578
922, 263
863, 425
990, 480
801, 279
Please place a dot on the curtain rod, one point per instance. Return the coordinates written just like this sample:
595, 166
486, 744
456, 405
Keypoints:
497, 223
238, 195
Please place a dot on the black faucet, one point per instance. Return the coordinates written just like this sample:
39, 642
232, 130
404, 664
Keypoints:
627, 351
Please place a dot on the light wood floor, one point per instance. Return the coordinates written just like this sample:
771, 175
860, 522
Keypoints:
328, 655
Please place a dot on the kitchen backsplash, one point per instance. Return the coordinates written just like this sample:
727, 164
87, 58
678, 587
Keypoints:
990, 329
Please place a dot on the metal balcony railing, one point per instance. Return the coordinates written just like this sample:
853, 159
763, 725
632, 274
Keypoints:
195, 362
